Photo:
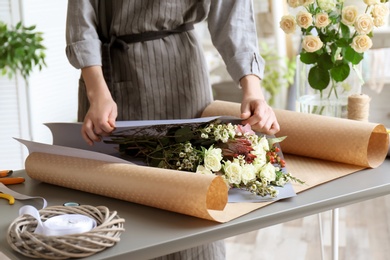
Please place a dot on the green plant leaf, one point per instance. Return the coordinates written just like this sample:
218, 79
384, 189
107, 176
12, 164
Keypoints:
325, 61
340, 72
352, 56
318, 78
309, 57
345, 31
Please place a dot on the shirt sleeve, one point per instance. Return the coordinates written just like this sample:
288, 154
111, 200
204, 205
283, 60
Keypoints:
233, 32
83, 47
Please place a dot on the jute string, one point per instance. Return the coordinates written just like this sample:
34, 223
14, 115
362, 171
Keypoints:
359, 107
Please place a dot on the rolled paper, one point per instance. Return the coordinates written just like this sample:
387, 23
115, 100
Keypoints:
359, 107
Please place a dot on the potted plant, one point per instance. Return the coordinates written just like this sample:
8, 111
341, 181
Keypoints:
21, 50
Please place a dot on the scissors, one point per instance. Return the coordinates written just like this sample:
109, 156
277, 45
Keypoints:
10, 198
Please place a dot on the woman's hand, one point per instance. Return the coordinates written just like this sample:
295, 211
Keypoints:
100, 118
254, 108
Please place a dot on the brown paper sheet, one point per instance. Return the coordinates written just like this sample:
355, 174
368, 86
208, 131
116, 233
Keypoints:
317, 150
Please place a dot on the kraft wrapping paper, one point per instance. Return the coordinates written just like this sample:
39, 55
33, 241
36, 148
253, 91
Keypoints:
317, 149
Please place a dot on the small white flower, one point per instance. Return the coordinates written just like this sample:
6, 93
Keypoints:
233, 172
268, 172
203, 170
326, 5
212, 159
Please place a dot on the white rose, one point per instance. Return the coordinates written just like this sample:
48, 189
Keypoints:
349, 14
268, 172
312, 43
326, 5
321, 20
294, 3
264, 143
288, 24
212, 159
361, 43
379, 21
371, 2
307, 2
248, 173
233, 172
304, 19
380, 10
203, 170
364, 24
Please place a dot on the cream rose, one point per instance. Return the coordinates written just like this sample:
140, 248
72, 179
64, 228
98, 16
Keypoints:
304, 19
307, 2
326, 5
288, 24
371, 2
212, 159
364, 24
361, 43
294, 3
203, 170
379, 21
321, 20
311, 43
380, 10
233, 172
349, 14
248, 173
268, 172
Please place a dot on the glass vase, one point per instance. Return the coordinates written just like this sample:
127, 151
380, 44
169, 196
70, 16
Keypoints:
333, 101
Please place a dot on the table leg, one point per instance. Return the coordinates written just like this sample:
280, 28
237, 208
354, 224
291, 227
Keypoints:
335, 234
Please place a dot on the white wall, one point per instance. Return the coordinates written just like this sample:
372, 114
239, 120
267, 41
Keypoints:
52, 92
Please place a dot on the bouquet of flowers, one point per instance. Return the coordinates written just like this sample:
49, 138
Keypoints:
244, 159
334, 36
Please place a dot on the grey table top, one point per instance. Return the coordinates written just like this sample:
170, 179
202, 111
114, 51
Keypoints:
152, 232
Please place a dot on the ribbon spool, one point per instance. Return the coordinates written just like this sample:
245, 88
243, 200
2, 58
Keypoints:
359, 107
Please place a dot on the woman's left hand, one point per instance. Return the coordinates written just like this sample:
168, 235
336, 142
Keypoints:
255, 110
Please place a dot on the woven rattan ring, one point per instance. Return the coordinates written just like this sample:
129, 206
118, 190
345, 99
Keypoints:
109, 226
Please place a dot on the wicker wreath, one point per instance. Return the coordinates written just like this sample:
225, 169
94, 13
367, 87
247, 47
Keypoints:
109, 226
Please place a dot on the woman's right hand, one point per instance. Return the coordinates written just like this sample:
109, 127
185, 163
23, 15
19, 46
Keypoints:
100, 118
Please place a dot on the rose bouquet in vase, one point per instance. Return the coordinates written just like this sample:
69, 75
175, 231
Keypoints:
335, 36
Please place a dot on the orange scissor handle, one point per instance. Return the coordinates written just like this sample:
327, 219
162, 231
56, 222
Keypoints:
12, 180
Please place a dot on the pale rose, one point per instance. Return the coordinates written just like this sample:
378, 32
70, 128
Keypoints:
304, 19
233, 172
361, 43
321, 20
264, 143
379, 21
307, 2
380, 10
349, 14
364, 24
326, 5
212, 159
371, 2
248, 173
268, 172
311, 43
294, 3
203, 170
288, 24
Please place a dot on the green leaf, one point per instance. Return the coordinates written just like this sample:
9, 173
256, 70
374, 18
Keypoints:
183, 134
345, 31
274, 140
340, 72
309, 57
352, 56
325, 61
318, 78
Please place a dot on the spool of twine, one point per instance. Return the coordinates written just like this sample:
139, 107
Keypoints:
358, 107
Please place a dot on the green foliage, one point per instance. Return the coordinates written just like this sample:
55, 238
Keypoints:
276, 77
21, 50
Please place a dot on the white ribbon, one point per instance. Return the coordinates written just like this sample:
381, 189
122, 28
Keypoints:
60, 225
